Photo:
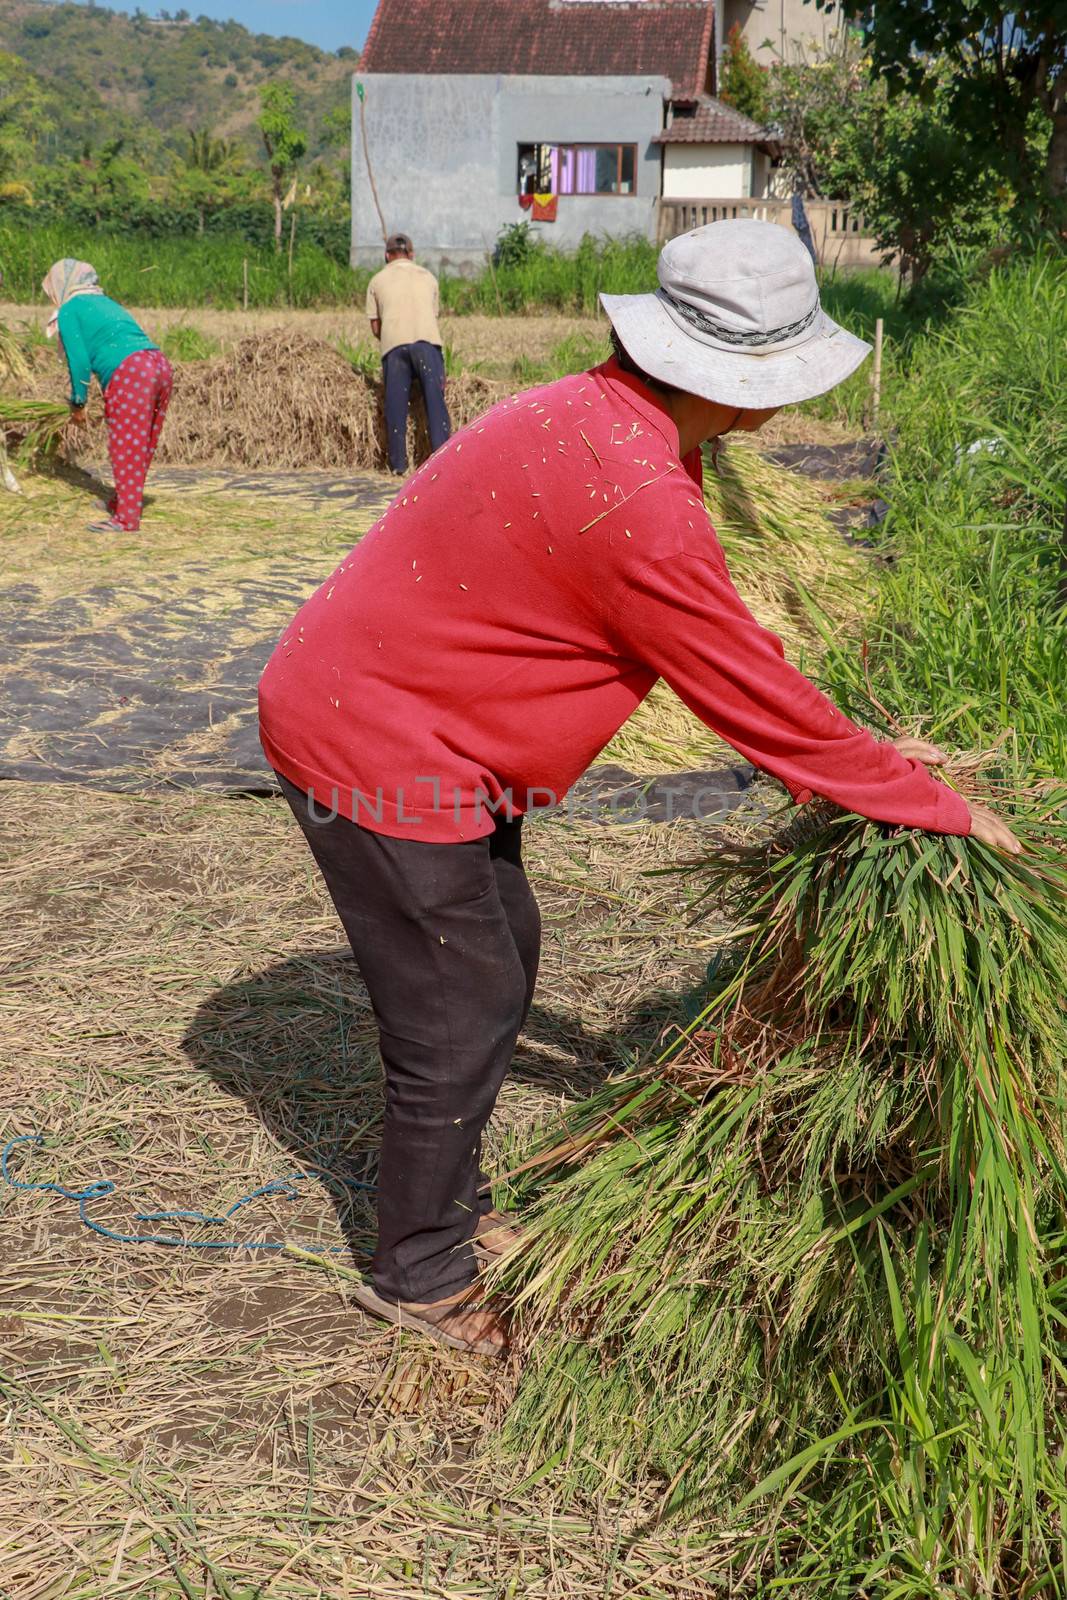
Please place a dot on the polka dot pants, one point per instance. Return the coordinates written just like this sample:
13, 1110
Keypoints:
135, 403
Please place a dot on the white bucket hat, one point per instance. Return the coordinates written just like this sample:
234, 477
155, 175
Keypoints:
736, 319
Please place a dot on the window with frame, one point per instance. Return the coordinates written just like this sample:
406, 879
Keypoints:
580, 169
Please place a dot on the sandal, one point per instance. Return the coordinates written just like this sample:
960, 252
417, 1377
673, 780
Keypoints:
434, 1319
110, 526
497, 1234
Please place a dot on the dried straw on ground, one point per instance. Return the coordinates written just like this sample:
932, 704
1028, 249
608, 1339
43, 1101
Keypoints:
181, 1018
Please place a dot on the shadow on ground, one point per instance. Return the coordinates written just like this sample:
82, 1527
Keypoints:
297, 1043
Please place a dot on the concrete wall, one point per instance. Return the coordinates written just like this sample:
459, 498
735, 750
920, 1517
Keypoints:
694, 171
444, 152
790, 25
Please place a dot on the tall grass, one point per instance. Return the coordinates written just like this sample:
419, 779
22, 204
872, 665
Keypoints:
970, 636
208, 271
559, 280
805, 1270
145, 271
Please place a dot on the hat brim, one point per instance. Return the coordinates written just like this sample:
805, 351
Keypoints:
753, 380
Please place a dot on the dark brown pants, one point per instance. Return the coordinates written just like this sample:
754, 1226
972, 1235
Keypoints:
447, 939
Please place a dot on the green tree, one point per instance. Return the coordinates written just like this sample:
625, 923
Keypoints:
1008, 91
210, 166
337, 127
812, 105
920, 182
902, 159
742, 81
283, 141
107, 180
23, 118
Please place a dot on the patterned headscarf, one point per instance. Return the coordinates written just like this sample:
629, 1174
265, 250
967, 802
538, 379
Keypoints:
66, 279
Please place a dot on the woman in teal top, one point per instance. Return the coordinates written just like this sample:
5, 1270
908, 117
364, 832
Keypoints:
101, 339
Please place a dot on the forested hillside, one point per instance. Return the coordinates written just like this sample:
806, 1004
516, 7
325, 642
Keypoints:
99, 75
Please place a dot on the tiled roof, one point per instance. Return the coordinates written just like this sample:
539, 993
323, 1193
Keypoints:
713, 123
648, 38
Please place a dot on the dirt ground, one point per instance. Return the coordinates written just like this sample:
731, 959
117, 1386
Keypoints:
182, 1019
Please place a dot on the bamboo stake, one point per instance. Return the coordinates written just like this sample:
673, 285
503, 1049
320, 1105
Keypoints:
876, 374
246, 282
292, 241
492, 274
366, 158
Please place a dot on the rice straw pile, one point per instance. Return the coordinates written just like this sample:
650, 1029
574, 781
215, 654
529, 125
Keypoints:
286, 401
792, 569
788, 561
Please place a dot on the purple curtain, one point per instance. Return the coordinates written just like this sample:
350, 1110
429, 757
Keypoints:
586, 172
573, 169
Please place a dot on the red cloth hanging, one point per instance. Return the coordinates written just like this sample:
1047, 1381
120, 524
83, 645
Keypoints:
545, 207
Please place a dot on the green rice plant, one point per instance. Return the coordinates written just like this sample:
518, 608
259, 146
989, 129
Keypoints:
805, 1268
185, 343
364, 357
875, 1083
552, 279
576, 353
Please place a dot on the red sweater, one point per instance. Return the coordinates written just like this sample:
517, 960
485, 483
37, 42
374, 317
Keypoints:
513, 606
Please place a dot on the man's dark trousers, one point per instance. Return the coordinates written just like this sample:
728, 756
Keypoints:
447, 939
399, 365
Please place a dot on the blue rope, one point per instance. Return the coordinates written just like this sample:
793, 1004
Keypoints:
104, 1186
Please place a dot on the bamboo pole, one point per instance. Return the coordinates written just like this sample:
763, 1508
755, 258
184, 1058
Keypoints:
292, 241
245, 264
492, 274
876, 374
366, 158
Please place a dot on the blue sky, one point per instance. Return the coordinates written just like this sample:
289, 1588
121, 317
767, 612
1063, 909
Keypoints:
328, 23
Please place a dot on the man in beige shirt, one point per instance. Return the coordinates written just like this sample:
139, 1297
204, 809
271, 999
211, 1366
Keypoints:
402, 304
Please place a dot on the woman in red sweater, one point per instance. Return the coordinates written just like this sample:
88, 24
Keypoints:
470, 658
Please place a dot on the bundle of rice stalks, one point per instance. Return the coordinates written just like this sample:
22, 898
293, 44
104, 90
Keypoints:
287, 401
789, 562
792, 569
32, 428
13, 366
872, 1098
13, 361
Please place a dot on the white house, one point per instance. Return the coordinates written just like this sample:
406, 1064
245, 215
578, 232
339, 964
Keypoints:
582, 116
